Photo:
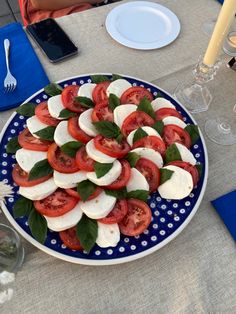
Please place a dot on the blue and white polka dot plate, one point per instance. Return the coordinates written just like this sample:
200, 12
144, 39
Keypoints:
169, 218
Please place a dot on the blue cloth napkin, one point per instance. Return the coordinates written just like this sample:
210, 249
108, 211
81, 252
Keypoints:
24, 65
221, 1
226, 208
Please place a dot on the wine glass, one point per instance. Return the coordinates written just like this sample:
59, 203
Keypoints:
11, 249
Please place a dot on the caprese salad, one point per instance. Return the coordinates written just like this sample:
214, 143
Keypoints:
90, 155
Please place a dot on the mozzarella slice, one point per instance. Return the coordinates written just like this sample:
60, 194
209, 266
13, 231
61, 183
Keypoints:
96, 155
99, 207
86, 90
122, 112
137, 181
185, 154
160, 103
108, 235
68, 180
65, 221
147, 129
39, 191
118, 87
175, 121
35, 125
55, 106
61, 135
85, 123
178, 186
109, 177
149, 154
28, 158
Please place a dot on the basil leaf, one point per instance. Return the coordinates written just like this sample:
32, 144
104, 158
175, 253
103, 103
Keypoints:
22, 207
158, 126
99, 78
119, 138
71, 148
53, 89
40, 169
116, 77
172, 153
132, 158
139, 194
27, 110
140, 133
166, 174
38, 226
107, 129
114, 101
87, 232
85, 101
146, 107
193, 132
102, 169
47, 133
13, 145
199, 169
85, 189
65, 113
120, 194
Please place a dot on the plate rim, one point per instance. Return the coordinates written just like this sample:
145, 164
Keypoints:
131, 44
104, 262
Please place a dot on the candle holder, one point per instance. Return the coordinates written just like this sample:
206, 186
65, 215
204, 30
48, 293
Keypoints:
222, 130
229, 46
194, 93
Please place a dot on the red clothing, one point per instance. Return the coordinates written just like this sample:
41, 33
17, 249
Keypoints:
31, 15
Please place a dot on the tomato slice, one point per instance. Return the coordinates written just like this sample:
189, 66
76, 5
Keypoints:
56, 204
117, 214
75, 131
188, 167
137, 219
153, 142
99, 93
28, 141
73, 192
69, 238
134, 94
68, 99
173, 133
102, 112
111, 147
60, 161
21, 177
150, 171
42, 113
136, 120
124, 177
83, 161
166, 112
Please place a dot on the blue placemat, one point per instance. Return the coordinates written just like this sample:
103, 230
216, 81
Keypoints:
226, 208
24, 65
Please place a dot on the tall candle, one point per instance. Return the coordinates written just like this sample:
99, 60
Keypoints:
221, 29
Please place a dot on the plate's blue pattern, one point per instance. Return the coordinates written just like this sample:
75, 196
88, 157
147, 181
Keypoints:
167, 216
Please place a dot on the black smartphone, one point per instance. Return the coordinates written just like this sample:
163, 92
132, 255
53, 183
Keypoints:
52, 39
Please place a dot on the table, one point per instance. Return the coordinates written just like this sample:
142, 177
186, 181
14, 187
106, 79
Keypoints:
196, 272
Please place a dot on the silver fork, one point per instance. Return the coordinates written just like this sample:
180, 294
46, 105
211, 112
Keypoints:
9, 82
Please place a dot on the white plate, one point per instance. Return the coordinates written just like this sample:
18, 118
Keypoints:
142, 25
169, 218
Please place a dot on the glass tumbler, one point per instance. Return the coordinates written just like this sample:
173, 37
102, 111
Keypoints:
11, 250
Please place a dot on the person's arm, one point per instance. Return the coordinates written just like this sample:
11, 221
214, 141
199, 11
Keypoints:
58, 4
